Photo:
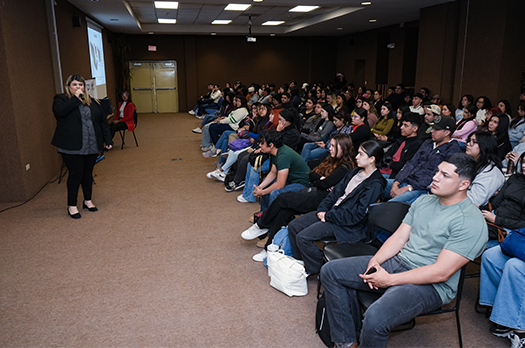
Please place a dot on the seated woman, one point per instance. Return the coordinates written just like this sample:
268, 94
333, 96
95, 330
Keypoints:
307, 111
498, 126
360, 128
320, 127
342, 214
319, 149
324, 177
340, 104
517, 126
225, 109
395, 132
385, 123
508, 206
465, 126
488, 115
501, 287
371, 112
502, 277
124, 117
210, 135
449, 110
482, 147
466, 99
482, 104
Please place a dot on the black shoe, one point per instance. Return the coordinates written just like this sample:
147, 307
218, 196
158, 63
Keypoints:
500, 330
74, 216
90, 209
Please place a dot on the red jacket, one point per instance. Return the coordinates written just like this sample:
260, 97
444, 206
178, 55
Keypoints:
129, 109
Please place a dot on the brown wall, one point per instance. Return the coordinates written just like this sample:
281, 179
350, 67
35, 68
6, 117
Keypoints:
217, 59
27, 88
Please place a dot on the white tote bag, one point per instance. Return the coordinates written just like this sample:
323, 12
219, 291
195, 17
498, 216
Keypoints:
287, 274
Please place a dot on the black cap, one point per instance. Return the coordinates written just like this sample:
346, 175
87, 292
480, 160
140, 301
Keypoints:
445, 123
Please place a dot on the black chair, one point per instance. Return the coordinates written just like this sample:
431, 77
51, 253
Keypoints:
366, 298
123, 132
384, 215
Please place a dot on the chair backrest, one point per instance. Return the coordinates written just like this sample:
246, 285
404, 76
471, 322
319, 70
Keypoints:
135, 117
385, 215
106, 105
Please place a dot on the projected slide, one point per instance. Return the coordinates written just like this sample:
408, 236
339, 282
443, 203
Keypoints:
96, 55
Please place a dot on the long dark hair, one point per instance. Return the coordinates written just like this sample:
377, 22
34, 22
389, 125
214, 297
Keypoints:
518, 119
488, 150
330, 163
502, 132
472, 110
372, 148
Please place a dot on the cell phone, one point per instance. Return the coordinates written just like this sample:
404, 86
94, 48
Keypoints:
371, 270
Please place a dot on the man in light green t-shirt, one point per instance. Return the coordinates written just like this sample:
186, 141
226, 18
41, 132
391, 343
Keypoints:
417, 268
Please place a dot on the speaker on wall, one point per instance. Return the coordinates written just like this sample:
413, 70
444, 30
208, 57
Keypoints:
76, 22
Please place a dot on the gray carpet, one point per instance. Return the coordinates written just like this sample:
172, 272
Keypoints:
162, 263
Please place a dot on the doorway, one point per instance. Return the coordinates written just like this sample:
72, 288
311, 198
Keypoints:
154, 86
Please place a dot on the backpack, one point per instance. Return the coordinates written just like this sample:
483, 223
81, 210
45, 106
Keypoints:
322, 327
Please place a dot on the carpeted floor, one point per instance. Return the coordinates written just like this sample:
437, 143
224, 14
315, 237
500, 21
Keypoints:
162, 263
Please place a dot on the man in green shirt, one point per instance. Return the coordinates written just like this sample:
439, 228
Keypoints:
417, 268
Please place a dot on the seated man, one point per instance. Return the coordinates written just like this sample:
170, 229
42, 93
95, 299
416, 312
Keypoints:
416, 104
415, 177
417, 268
404, 148
431, 114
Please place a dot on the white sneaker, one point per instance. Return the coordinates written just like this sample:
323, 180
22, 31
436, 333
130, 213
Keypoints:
253, 232
218, 175
191, 112
210, 153
209, 175
260, 257
197, 130
206, 148
515, 340
241, 199
201, 117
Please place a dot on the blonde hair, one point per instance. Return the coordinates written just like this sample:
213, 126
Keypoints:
76, 77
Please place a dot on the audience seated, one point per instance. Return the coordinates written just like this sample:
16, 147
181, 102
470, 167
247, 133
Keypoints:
517, 126
417, 106
124, 119
320, 128
385, 123
360, 129
431, 115
465, 126
371, 112
323, 178
225, 109
466, 99
482, 104
342, 214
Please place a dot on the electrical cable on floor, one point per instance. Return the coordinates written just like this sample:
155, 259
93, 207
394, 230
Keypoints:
21, 204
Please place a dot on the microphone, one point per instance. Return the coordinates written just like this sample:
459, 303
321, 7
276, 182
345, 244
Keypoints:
82, 96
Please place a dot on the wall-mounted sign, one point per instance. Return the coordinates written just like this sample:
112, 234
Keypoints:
152, 48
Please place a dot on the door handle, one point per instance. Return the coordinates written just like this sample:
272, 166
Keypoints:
142, 89
165, 88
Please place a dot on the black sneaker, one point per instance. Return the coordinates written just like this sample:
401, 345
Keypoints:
517, 340
239, 186
500, 330
230, 186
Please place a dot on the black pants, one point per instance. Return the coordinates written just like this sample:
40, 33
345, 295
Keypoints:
80, 173
283, 209
114, 127
242, 164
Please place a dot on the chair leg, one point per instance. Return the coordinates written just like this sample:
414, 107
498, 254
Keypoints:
122, 136
136, 143
459, 329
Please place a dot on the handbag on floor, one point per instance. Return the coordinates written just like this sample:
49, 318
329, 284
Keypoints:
514, 244
283, 243
322, 328
287, 274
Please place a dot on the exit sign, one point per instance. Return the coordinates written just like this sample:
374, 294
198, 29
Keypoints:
152, 48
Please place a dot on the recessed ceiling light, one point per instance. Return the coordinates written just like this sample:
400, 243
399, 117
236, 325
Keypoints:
372, 20
221, 21
303, 8
150, 33
213, 33
167, 21
272, 34
257, 0
339, 28
273, 23
366, 3
167, 4
237, 7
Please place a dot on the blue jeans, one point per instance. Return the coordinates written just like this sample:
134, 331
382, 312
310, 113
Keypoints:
216, 129
206, 139
222, 143
252, 178
266, 200
397, 305
231, 159
207, 119
501, 286
408, 197
311, 151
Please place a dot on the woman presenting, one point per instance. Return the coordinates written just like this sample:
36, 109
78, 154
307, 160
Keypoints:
82, 129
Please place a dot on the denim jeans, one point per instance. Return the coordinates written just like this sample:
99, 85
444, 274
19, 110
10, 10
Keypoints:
311, 151
397, 305
216, 129
408, 197
252, 178
266, 200
206, 139
231, 159
501, 286
207, 119
222, 143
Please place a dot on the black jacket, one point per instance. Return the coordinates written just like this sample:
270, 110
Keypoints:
68, 133
349, 219
509, 203
411, 146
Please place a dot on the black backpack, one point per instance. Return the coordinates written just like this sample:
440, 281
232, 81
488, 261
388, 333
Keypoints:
322, 327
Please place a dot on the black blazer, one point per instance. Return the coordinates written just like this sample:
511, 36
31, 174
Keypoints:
68, 133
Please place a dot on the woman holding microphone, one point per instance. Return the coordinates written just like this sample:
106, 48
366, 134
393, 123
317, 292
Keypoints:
82, 129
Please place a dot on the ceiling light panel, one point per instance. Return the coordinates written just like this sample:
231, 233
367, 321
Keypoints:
173, 5
303, 8
167, 21
273, 23
237, 7
221, 21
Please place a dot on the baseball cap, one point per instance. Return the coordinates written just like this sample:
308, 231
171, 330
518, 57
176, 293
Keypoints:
445, 123
435, 109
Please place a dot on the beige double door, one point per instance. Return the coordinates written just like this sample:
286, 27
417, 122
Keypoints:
154, 86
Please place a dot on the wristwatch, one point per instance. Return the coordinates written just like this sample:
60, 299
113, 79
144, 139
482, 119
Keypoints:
410, 188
